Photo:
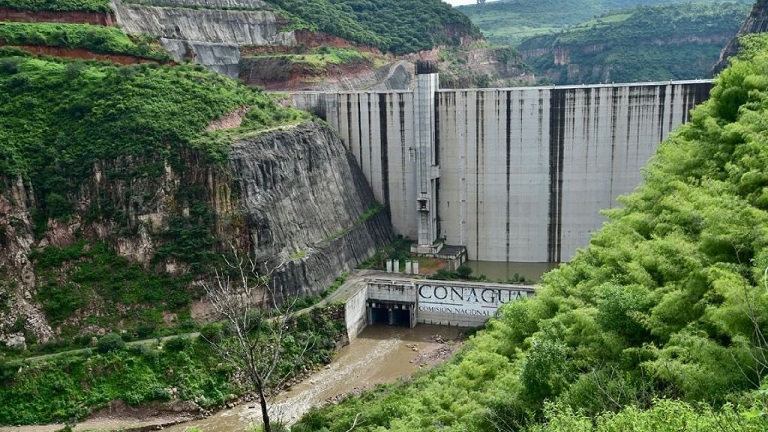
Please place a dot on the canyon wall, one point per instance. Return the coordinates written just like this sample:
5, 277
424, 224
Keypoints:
306, 200
293, 197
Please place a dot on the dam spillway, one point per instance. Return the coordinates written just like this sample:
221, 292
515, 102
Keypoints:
515, 174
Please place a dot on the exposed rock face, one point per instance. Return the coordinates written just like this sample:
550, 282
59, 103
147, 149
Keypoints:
219, 57
215, 33
300, 204
222, 4
251, 27
280, 73
756, 22
211, 37
16, 269
304, 197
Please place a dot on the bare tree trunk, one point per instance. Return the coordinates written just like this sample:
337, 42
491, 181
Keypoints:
250, 307
264, 411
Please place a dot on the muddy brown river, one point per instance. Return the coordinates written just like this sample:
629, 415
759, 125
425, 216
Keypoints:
380, 354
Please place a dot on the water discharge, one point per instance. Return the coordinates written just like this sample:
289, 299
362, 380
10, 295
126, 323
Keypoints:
380, 354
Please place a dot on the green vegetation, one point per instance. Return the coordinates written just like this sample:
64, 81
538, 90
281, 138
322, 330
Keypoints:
73, 279
312, 300
659, 324
371, 212
399, 249
74, 385
649, 43
64, 123
57, 5
97, 39
57, 118
510, 22
318, 61
399, 26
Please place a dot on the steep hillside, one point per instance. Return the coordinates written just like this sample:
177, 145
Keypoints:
659, 324
122, 186
650, 43
756, 22
509, 22
279, 44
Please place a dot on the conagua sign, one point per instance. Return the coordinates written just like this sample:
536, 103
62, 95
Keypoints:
466, 300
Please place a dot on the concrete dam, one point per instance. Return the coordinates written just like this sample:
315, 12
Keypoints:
515, 174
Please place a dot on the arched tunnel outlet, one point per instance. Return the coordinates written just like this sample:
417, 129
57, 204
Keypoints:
401, 314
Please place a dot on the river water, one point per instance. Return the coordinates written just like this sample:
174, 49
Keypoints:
503, 271
380, 354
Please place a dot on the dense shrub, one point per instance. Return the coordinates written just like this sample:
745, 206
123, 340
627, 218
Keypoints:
110, 342
399, 26
71, 386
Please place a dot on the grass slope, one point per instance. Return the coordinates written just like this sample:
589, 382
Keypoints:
57, 5
665, 310
97, 39
71, 386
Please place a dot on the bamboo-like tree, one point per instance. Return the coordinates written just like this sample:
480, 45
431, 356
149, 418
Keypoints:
257, 315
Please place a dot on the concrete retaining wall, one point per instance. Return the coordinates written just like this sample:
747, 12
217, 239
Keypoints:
354, 313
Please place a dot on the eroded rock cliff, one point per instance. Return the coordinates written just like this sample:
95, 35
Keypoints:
308, 205
293, 197
196, 30
756, 22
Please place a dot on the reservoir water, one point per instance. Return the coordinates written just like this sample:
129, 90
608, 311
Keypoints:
504, 271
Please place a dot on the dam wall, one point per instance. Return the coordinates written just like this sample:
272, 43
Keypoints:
516, 174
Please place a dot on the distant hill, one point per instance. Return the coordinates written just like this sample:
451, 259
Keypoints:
648, 43
509, 22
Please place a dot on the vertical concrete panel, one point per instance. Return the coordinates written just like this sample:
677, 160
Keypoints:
374, 145
528, 175
345, 118
471, 184
353, 118
410, 182
453, 111
364, 124
492, 181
